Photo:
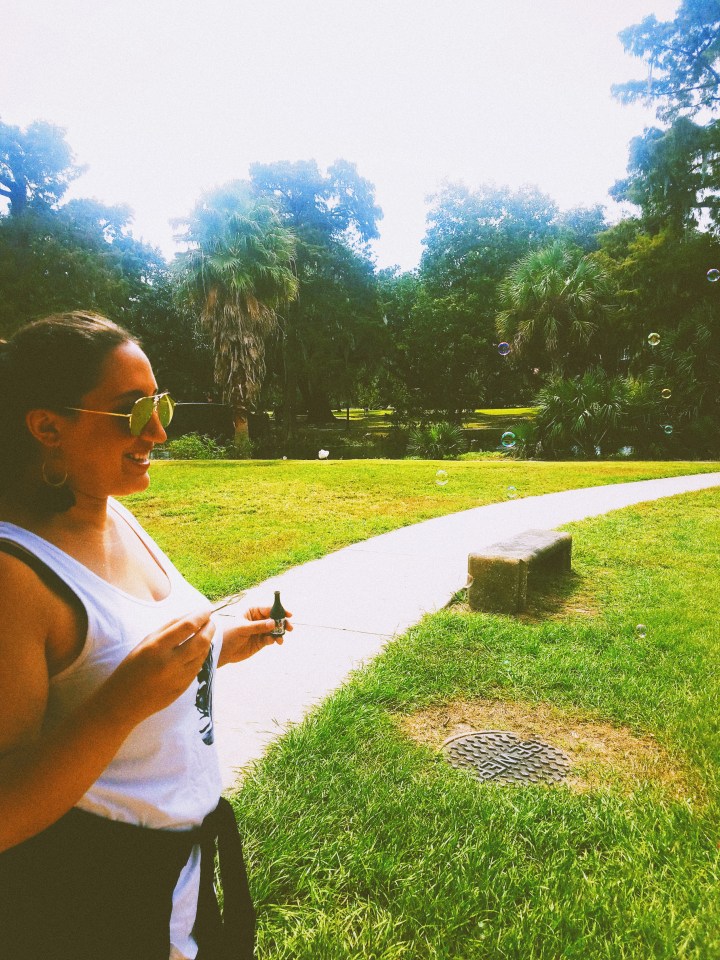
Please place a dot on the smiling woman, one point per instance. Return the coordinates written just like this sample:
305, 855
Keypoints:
51, 363
110, 803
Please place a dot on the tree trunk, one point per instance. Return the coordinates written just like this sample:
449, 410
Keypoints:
289, 391
240, 420
18, 199
318, 406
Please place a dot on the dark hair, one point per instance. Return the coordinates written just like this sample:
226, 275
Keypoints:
50, 363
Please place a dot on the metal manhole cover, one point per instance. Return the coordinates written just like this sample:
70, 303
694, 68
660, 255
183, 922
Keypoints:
504, 757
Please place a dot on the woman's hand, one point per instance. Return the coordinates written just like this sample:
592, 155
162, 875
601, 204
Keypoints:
161, 667
242, 640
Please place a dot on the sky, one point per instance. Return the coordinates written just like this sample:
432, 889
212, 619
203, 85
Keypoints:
166, 99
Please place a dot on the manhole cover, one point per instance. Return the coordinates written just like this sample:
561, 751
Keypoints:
504, 757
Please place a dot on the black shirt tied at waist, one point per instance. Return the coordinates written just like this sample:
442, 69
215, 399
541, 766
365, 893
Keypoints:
89, 888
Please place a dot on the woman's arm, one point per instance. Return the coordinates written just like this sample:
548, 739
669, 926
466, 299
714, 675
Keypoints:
44, 773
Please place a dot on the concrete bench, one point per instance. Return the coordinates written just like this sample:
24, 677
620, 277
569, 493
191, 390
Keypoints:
499, 575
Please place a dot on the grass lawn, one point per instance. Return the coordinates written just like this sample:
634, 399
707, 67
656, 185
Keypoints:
231, 524
364, 844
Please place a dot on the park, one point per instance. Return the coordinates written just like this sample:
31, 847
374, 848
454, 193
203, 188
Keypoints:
362, 841
351, 434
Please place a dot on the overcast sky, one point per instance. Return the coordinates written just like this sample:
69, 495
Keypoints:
164, 99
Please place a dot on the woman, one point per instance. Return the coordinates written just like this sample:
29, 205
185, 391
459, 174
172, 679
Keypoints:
109, 782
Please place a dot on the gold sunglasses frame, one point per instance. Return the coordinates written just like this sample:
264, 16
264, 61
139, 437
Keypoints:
155, 397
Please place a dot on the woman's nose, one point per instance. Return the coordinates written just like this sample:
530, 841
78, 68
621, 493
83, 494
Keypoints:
154, 429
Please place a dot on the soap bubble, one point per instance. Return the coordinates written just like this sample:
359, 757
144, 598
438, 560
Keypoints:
641, 630
508, 439
323, 454
666, 393
441, 478
668, 428
713, 275
511, 493
503, 349
653, 339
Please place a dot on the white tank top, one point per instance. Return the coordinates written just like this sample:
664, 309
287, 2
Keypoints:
166, 774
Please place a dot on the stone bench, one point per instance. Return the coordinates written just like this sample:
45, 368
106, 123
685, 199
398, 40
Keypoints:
498, 577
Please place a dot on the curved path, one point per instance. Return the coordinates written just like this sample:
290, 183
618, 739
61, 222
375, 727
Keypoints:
348, 604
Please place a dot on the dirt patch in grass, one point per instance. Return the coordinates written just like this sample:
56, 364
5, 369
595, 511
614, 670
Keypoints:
603, 756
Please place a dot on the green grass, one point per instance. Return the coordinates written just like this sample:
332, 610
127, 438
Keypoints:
231, 524
509, 411
362, 844
370, 429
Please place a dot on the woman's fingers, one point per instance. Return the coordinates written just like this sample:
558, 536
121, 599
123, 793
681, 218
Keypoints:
162, 666
178, 632
263, 613
196, 647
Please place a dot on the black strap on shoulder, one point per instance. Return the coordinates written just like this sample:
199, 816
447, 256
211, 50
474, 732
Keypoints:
45, 573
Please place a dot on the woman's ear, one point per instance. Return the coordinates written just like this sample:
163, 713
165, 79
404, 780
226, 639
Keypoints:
44, 425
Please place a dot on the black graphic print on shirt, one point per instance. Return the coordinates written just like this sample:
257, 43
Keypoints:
203, 699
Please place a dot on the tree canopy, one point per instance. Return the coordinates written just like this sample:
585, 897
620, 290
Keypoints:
36, 165
237, 274
277, 299
683, 59
555, 302
334, 325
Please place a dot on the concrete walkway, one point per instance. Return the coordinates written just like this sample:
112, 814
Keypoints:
348, 604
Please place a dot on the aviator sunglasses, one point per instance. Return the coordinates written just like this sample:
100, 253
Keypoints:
141, 412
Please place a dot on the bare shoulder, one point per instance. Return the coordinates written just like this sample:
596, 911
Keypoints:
17, 578
25, 625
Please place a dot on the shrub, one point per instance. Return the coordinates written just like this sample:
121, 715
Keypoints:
240, 448
596, 415
193, 446
522, 444
436, 441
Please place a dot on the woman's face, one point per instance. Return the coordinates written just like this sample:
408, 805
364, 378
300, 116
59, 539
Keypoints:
100, 454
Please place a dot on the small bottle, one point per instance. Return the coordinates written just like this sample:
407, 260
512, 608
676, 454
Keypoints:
277, 612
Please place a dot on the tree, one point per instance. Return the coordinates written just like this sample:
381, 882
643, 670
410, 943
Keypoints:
663, 289
473, 238
82, 255
683, 57
340, 335
684, 373
582, 226
555, 301
333, 329
237, 275
36, 166
178, 347
339, 204
436, 358
51, 263
660, 279
674, 173
673, 176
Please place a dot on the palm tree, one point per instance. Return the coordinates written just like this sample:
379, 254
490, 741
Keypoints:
237, 275
554, 301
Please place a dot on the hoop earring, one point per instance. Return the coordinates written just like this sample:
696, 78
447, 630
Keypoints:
55, 484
